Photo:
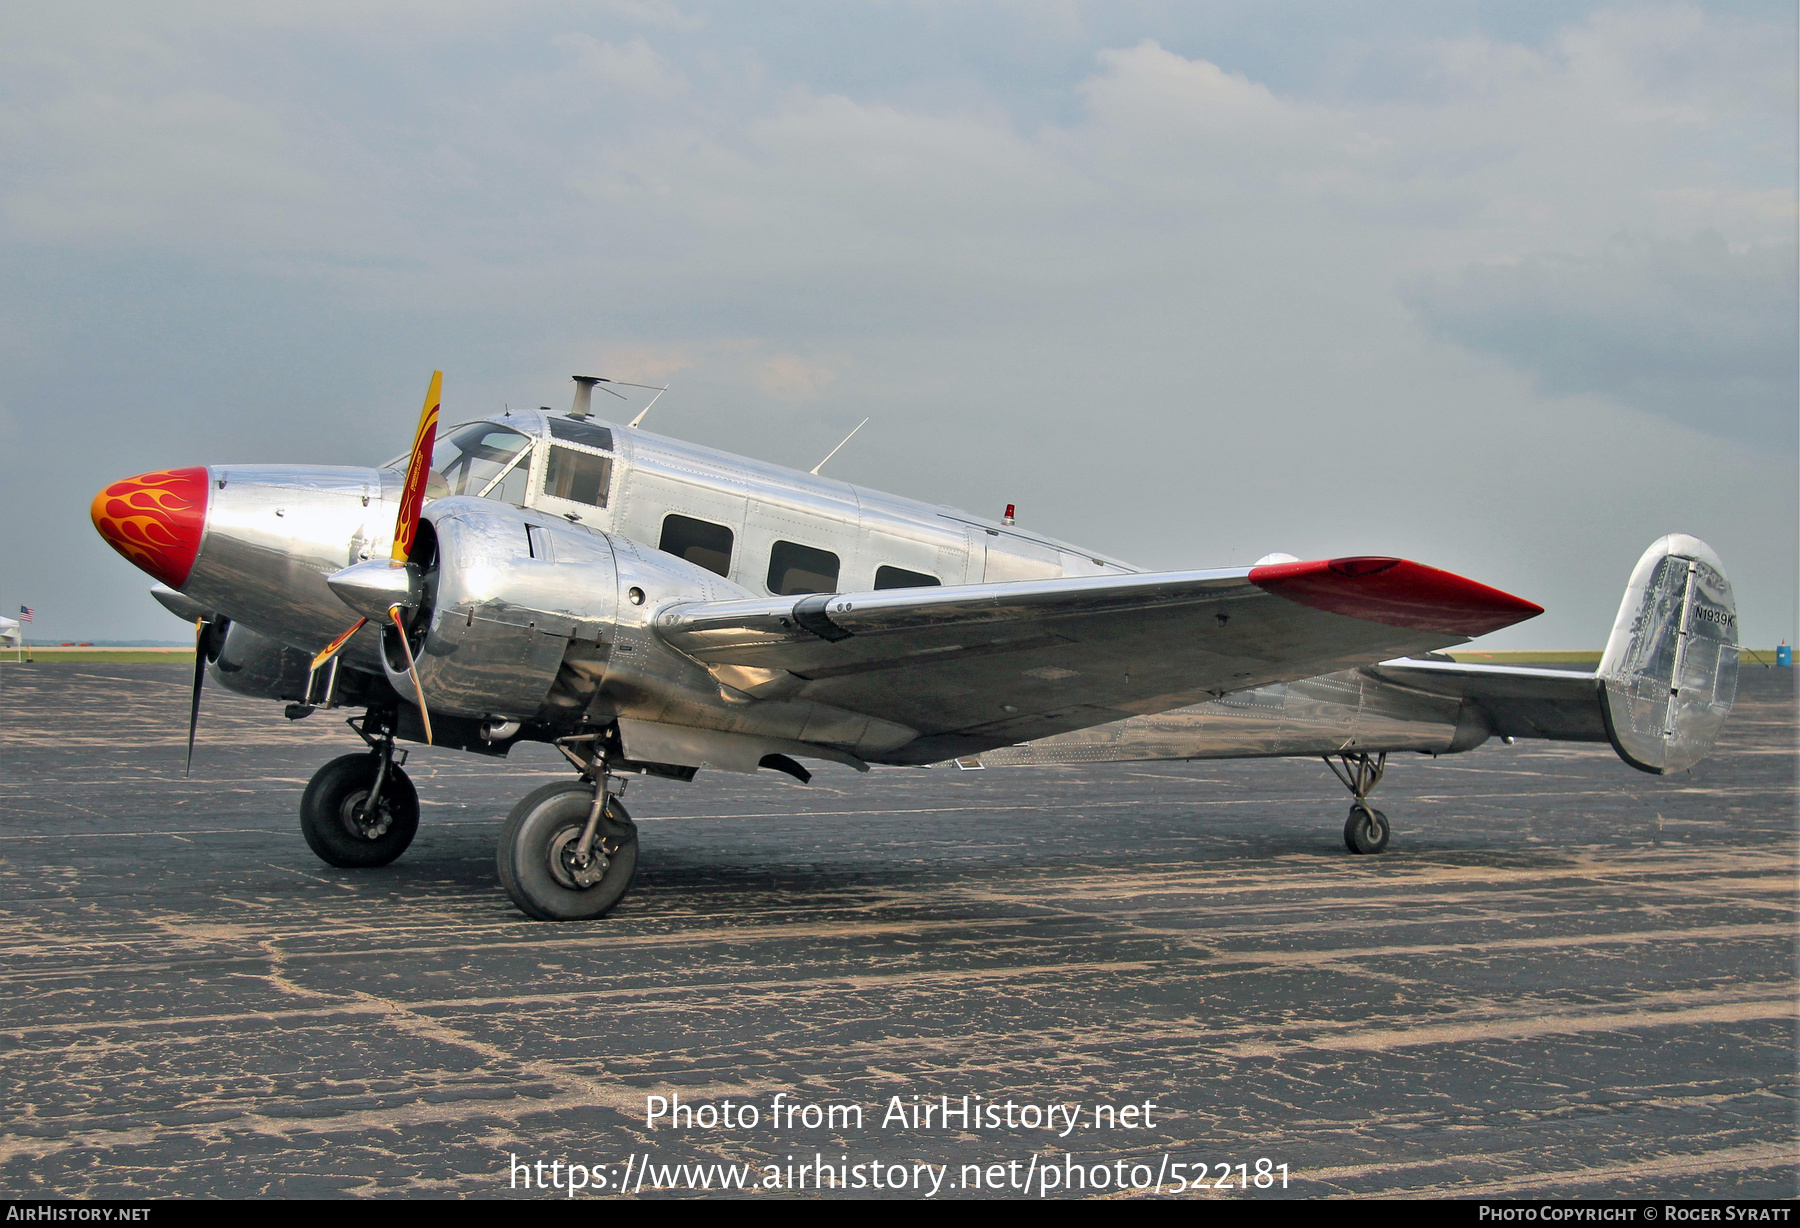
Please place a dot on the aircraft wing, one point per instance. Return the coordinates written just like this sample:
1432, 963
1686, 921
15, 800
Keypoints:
977, 666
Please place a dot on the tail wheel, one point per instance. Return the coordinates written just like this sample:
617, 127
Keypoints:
345, 826
537, 862
1366, 830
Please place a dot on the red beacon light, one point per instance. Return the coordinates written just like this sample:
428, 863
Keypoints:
1008, 518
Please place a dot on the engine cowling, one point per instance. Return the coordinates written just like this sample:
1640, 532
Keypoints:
500, 599
533, 627
253, 664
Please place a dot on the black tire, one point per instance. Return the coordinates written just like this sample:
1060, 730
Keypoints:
545, 824
1366, 830
335, 821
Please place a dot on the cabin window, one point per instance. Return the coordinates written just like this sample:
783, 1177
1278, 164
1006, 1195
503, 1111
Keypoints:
801, 569
474, 456
899, 577
700, 542
579, 477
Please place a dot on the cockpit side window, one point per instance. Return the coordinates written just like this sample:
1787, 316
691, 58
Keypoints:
473, 456
580, 477
511, 488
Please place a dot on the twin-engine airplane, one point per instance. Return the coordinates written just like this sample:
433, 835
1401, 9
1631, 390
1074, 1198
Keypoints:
650, 606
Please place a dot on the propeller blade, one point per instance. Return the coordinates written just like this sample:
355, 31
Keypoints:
412, 499
200, 628
418, 469
331, 650
412, 669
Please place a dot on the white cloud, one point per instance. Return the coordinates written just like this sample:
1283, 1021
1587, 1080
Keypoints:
662, 14
791, 378
632, 69
1108, 286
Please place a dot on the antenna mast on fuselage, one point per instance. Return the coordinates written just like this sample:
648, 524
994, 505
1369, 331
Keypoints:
584, 395
859, 426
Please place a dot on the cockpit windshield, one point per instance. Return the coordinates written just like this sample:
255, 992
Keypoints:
472, 456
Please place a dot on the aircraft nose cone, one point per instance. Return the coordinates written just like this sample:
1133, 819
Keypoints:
155, 520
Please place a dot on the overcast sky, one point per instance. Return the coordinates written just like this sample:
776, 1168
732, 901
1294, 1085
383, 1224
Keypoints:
1505, 288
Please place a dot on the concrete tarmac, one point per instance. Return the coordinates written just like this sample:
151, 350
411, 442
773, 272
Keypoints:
1564, 978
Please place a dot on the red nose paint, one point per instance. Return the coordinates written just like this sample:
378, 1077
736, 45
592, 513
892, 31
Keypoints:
1396, 592
155, 520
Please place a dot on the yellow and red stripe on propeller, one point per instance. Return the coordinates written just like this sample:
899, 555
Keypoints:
406, 532
418, 470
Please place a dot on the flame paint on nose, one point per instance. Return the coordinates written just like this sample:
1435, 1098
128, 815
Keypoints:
155, 520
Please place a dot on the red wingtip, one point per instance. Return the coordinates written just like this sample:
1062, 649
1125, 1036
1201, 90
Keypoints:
1396, 592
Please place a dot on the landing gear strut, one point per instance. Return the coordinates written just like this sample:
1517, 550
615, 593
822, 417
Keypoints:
1366, 830
361, 810
569, 850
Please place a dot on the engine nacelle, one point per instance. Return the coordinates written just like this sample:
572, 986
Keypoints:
503, 596
251, 663
512, 616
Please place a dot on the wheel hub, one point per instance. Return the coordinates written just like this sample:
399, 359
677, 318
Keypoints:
360, 822
567, 869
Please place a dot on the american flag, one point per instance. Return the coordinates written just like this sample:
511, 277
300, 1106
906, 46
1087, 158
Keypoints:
24, 613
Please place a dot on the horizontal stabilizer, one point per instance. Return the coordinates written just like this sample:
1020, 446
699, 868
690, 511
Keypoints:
1511, 701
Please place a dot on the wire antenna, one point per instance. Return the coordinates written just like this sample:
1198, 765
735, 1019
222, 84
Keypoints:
840, 447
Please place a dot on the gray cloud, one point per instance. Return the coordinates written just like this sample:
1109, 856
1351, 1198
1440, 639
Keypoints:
1691, 330
1145, 271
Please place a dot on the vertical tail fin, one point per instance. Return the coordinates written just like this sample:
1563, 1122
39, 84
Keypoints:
1669, 675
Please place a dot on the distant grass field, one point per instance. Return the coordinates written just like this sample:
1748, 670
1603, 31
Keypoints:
90, 655
1748, 657
1585, 656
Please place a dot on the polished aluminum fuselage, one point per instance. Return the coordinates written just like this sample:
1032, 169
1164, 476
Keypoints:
275, 534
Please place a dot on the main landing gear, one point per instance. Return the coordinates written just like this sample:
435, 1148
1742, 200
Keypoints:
361, 810
568, 851
1366, 830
